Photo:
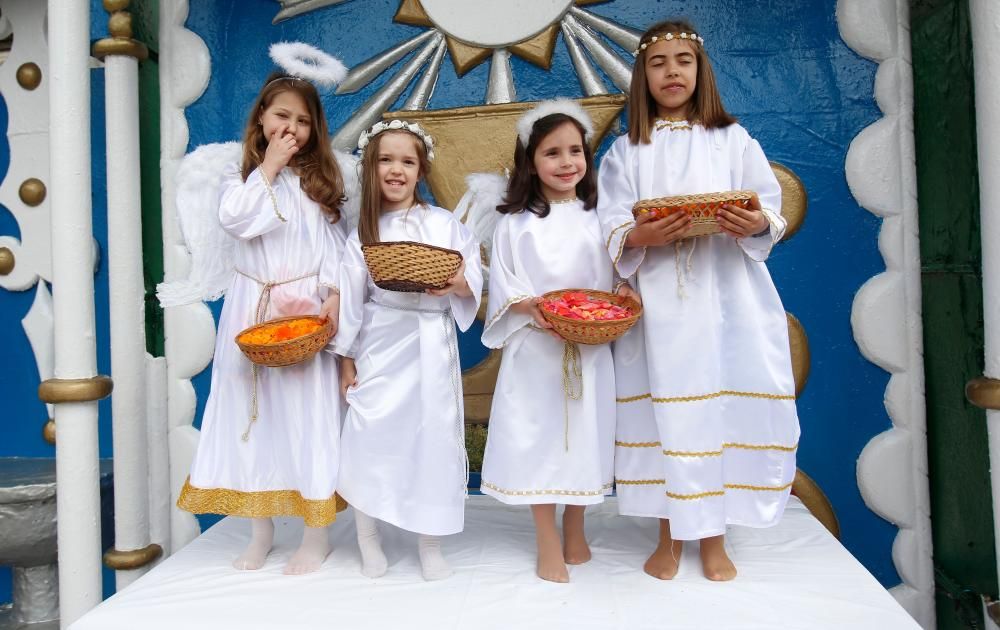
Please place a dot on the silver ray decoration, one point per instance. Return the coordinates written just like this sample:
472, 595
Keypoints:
424, 89
627, 38
500, 88
291, 8
617, 70
372, 109
363, 73
589, 79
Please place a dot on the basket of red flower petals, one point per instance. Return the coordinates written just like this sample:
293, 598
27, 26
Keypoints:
286, 340
589, 317
702, 208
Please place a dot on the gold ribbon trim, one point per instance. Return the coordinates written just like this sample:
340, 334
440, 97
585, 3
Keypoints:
719, 394
260, 504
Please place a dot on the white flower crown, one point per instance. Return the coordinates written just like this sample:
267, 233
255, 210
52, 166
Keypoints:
667, 37
565, 106
307, 62
397, 125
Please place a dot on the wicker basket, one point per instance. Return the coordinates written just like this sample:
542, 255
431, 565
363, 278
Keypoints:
592, 332
410, 267
702, 208
290, 352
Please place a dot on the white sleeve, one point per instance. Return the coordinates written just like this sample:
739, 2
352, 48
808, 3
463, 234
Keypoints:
506, 289
758, 177
333, 255
616, 194
353, 295
464, 308
248, 209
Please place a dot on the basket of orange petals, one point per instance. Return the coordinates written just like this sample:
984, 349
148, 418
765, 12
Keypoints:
702, 208
410, 267
286, 340
589, 317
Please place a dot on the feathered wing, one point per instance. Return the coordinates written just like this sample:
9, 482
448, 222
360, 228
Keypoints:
212, 250
478, 208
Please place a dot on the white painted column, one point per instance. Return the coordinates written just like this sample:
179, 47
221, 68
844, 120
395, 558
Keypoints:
78, 498
127, 310
985, 20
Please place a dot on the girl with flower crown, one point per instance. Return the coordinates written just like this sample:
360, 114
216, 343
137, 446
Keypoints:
706, 426
404, 458
270, 438
551, 438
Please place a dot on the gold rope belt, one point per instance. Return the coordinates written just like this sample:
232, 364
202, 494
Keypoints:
263, 302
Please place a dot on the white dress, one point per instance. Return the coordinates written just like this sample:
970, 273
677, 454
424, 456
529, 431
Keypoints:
404, 458
707, 426
288, 464
544, 446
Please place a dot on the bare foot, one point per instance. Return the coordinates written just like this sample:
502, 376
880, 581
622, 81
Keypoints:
714, 561
575, 548
261, 538
551, 563
665, 559
311, 553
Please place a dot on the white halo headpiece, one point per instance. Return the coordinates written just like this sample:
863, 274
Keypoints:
397, 125
308, 62
565, 106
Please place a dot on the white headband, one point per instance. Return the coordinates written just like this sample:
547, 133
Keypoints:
667, 37
397, 125
565, 106
308, 62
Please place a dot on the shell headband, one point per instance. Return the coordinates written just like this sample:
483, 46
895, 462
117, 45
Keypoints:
563, 106
667, 37
397, 125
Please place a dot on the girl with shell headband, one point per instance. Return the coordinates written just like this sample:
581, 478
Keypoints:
403, 458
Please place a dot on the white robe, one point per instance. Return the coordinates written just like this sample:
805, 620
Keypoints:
404, 459
288, 465
543, 446
707, 426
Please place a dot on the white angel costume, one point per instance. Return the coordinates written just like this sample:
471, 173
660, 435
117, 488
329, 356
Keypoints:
548, 443
286, 255
706, 426
403, 455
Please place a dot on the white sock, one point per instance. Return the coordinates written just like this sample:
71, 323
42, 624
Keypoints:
311, 553
432, 563
373, 562
261, 539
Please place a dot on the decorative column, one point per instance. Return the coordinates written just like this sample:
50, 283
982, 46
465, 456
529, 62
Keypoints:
76, 387
985, 392
132, 552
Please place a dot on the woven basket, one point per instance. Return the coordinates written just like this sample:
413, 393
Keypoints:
702, 208
290, 352
592, 332
410, 267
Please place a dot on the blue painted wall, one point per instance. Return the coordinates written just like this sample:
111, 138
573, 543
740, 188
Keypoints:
790, 79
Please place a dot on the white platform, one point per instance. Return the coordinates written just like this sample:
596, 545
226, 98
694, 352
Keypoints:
795, 575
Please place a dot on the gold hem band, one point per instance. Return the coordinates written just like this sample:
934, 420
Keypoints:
719, 394
533, 493
260, 504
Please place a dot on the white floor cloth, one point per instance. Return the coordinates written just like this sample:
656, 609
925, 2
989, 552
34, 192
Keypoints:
795, 575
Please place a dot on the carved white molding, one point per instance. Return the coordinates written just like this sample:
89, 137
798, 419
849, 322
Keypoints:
886, 315
39, 327
189, 331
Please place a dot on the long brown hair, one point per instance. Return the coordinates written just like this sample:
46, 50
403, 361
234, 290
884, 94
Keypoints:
317, 168
371, 188
524, 192
705, 105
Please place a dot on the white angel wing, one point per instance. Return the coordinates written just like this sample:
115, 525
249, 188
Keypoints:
478, 207
350, 172
212, 250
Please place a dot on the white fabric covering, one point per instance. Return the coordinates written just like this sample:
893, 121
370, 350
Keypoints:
794, 575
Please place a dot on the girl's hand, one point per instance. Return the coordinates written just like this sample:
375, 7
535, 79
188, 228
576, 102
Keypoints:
348, 375
330, 309
650, 232
457, 285
628, 291
741, 222
280, 149
530, 307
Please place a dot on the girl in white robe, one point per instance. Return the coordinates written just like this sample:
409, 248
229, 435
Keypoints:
707, 427
549, 445
269, 441
404, 458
